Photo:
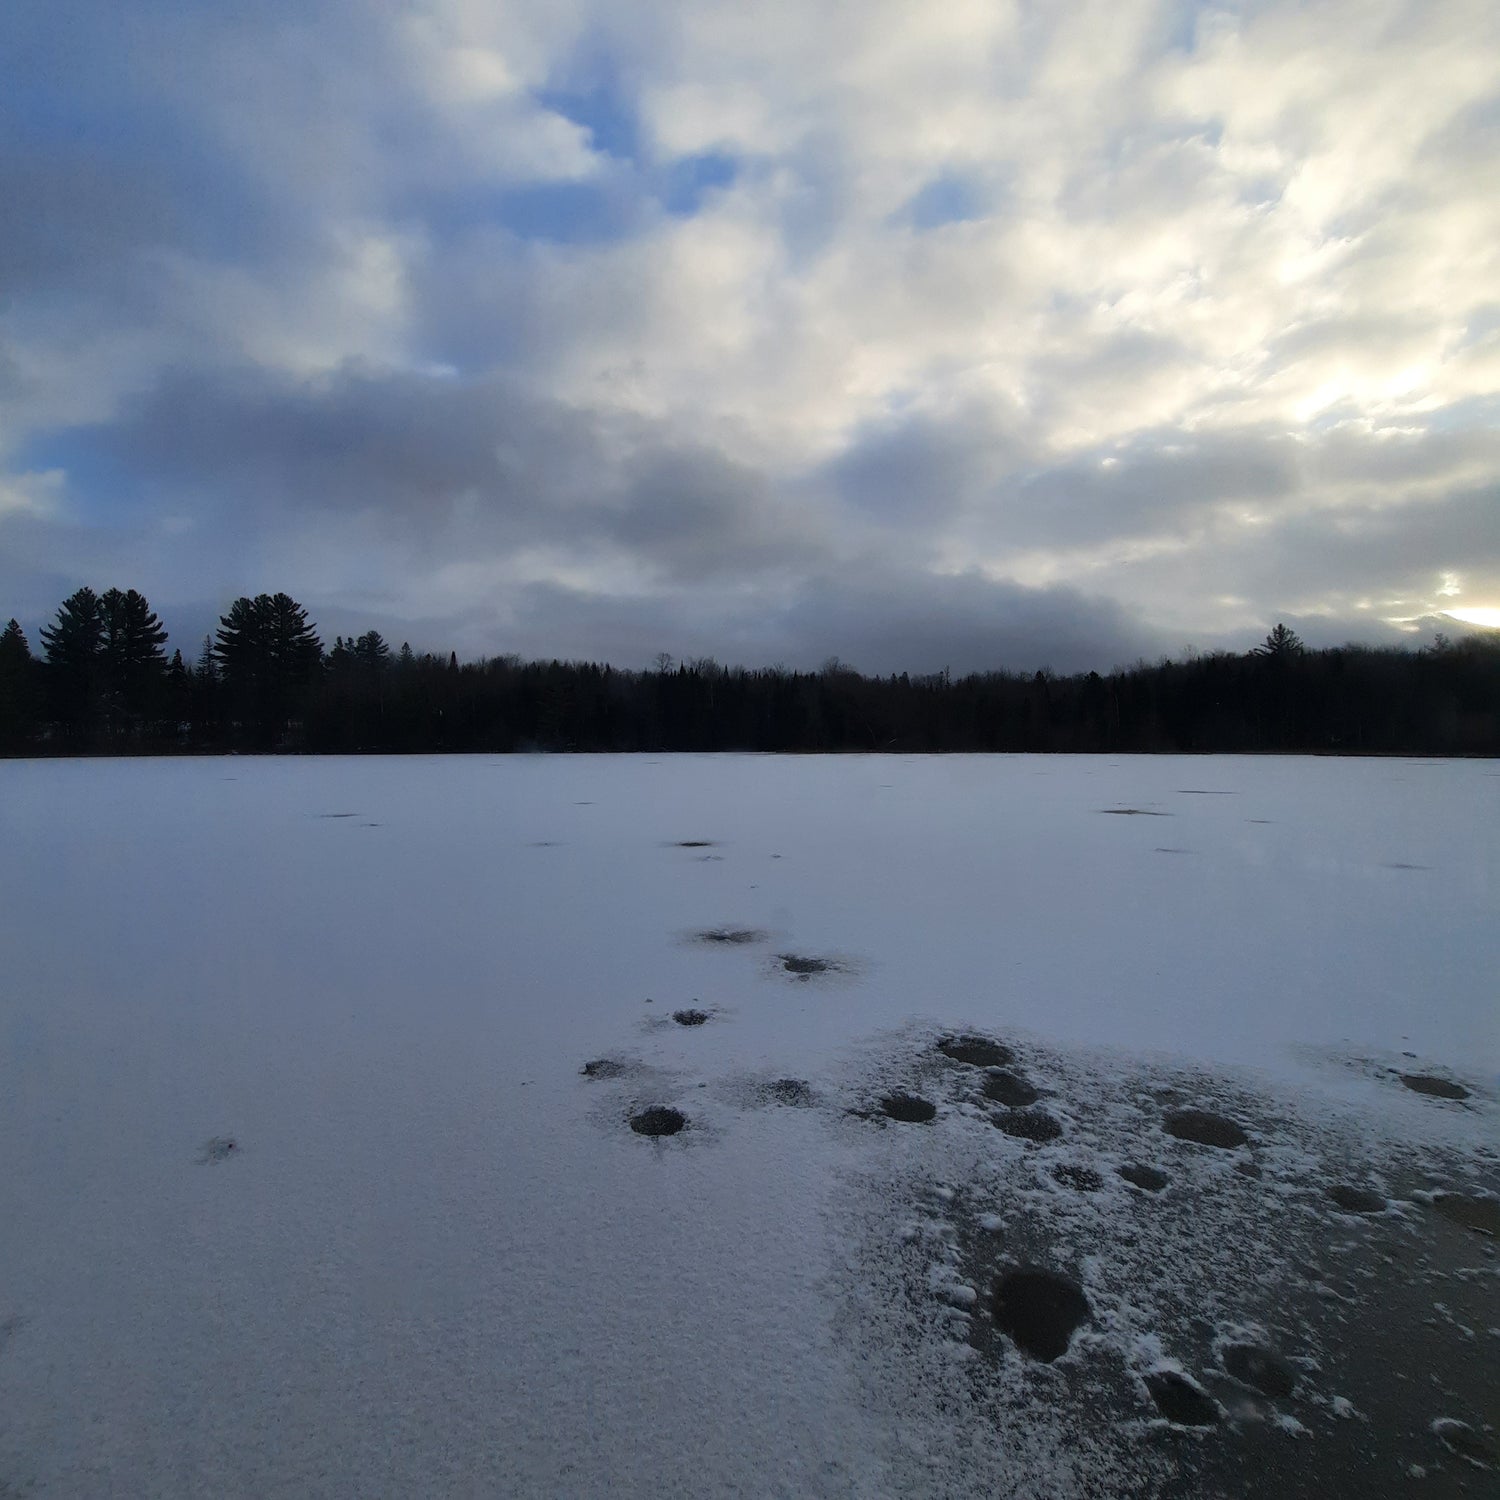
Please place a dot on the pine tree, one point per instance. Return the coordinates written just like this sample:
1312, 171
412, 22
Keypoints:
17, 682
133, 636
76, 638
371, 651
293, 640
73, 647
207, 669
134, 663
14, 648
268, 653
1280, 643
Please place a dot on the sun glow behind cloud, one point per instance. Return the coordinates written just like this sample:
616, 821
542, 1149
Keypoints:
1489, 619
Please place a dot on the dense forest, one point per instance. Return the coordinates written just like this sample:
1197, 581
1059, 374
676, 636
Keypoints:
103, 684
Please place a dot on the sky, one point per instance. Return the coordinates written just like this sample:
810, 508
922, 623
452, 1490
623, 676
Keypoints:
972, 335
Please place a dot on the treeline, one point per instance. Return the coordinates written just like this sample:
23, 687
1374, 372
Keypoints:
104, 684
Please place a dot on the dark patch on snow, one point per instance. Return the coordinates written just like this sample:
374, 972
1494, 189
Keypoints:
1461, 1439
735, 936
791, 1091
1361, 1318
911, 1109
1080, 1179
1401, 865
1039, 1311
805, 968
1356, 1200
603, 1067
1134, 812
658, 1120
1204, 1128
1181, 1400
1248, 1169
1141, 1176
1162, 849
218, 1148
1479, 1214
1198, 791
338, 815
696, 844
9, 1327
690, 1017
1009, 1089
1434, 1088
1259, 1368
977, 1051
1028, 1124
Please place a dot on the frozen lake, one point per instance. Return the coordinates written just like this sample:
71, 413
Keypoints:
305, 1192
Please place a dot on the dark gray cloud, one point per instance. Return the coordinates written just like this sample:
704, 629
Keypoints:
877, 621
440, 465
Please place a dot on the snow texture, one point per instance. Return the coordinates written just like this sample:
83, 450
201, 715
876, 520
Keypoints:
317, 1080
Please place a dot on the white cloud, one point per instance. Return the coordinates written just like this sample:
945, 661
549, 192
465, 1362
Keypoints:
37, 494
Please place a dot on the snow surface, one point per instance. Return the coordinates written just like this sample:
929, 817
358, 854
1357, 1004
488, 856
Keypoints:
304, 1192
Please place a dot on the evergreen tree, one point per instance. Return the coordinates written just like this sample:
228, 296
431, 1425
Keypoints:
404, 658
177, 695
15, 650
1280, 643
268, 652
76, 638
73, 646
17, 683
133, 661
267, 640
207, 669
371, 651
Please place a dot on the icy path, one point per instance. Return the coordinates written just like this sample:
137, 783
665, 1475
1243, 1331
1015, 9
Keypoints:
437, 1259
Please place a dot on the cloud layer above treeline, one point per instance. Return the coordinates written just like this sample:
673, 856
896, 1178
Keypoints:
963, 335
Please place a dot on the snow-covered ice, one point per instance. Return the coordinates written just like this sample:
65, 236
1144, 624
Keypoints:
317, 1082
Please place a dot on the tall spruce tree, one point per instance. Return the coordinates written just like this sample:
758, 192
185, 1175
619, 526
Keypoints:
371, 651
17, 688
134, 664
73, 645
268, 653
1281, 643
207, 669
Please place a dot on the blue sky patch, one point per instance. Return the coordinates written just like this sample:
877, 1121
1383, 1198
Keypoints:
690, 180
604, 111
944, 200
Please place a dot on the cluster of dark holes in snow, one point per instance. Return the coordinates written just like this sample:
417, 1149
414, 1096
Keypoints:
661, 1120
1040, 1309
798, 965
